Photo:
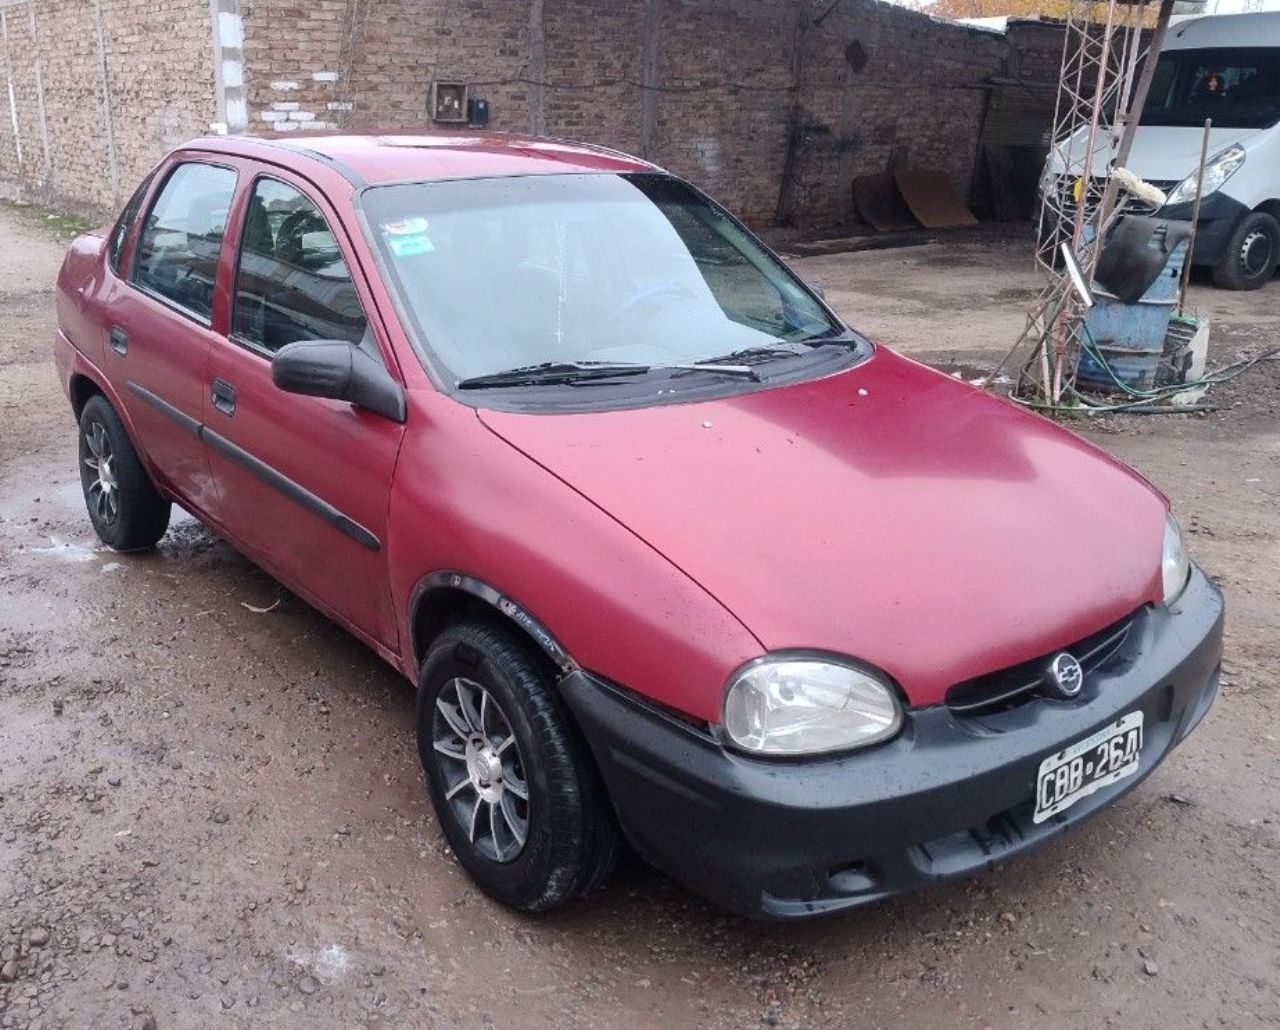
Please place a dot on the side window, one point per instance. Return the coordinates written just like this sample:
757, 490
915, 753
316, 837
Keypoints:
125, 222
182, 237
292, 283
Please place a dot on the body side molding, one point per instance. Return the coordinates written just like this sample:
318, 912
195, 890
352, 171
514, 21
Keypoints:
295, 491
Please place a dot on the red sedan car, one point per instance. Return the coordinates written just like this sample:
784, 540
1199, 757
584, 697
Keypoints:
670, 553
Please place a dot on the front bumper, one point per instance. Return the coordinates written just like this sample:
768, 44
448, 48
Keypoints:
1219, 216
950, 796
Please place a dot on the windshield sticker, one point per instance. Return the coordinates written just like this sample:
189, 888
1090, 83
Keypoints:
407, 246
407, 236
405, 227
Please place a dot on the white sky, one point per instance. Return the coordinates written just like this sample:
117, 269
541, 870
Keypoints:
1231, 6
1211, 7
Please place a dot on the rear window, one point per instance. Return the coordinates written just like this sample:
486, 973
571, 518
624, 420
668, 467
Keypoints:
1238, 87
128, 216
177, 258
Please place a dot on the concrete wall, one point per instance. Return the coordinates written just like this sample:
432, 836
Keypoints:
772, 106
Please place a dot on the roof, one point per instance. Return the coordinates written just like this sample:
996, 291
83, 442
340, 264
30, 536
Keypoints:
382, 158
1255, 29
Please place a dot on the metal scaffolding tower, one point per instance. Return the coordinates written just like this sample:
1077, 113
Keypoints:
1102, 89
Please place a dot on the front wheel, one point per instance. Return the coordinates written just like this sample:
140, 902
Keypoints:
513, 785
126, 510
1252, 253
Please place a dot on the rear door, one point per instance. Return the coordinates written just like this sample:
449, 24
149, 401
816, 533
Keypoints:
159, 323
303, 482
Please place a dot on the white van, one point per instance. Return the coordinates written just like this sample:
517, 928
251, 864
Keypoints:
1227, 68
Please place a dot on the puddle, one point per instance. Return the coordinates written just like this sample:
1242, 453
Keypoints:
65, 550
974, 375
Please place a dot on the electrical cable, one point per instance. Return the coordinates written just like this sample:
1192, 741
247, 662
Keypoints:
1224, 374
702, 87
1142, 404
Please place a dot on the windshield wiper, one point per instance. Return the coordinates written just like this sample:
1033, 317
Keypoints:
717, 366
739, 363
764, 352
773, 352
552, 373
840, 340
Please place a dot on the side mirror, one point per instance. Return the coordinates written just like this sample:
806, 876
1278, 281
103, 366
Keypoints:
340, 371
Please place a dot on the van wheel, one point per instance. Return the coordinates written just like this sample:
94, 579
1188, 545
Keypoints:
514, 787
1252, 253
127, 511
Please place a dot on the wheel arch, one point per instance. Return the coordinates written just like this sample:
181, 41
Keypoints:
85, 382
1270, 207
441, 598
80, 388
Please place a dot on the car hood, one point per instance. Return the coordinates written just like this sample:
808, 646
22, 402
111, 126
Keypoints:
1171, 152
1161, 153
889, 513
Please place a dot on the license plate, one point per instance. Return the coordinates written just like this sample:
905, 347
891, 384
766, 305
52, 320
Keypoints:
1088, 765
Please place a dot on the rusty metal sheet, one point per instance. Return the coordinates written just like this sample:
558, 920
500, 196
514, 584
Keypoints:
929, 195
878, 202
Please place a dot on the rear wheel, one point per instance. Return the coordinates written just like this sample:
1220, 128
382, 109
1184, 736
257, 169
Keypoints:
126, 510
1251, 255
512, 783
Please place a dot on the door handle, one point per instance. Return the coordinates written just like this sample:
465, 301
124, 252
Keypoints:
223, 395
119, 340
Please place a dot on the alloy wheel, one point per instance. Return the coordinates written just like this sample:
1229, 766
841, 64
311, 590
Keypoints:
480, 769
103, 489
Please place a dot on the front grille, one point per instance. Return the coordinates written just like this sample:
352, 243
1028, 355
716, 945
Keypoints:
1133, 206
1064, 197
1021, 683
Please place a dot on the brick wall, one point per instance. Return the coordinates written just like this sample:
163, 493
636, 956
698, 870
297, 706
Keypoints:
761, 102
919, 99
723, 94
100, 88
399, 46
294, 58
707, 88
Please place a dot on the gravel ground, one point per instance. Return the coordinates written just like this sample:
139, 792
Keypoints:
211, 816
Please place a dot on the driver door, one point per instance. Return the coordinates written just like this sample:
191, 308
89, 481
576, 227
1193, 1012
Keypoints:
303, 482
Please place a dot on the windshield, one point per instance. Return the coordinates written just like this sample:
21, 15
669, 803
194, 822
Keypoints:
1238, 87
510, 273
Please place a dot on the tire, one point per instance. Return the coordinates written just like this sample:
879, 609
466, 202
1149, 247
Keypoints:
481, 673
1252, 252
127, 511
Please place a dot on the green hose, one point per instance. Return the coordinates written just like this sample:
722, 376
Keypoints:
1142, 398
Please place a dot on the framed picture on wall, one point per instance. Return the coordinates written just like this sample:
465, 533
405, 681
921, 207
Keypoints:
448, 102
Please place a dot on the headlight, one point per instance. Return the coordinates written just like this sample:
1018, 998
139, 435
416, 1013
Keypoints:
1048, 177
1218, 170
1175, 566
805, 706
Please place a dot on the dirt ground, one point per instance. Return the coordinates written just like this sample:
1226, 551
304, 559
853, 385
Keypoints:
211, 817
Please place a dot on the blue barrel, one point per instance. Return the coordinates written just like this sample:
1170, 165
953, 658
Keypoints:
1131, 336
